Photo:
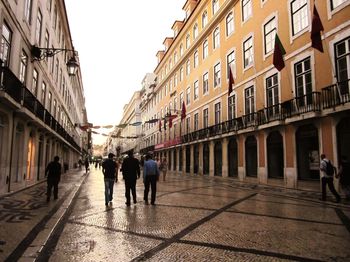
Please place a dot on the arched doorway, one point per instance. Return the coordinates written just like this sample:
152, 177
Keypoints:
218, 159
205, 159
232, 155
30, 156
308, 156
275, 156
251, 157
188, 159
195, 158
343, 138
17, 156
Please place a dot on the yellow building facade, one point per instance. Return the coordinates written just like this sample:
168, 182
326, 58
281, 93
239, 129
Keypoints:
273, 126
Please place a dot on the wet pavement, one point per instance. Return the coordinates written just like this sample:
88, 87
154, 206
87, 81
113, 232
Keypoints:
195, 218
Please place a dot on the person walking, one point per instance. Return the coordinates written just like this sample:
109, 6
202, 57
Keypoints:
150, 178
164, 167
86, 163
344, 176
109, 168
327, 172
131, 172
53, 174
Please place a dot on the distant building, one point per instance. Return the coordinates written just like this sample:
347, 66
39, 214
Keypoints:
42, 107
273, 126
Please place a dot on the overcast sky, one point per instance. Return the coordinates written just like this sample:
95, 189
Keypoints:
117, 42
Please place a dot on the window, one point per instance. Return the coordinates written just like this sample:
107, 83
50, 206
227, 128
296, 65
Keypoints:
195, 122
300, 19
303, 81
56, 70
181, 99
23, 67
342, 63
6, 40
231, 63
246, 9
188, 67
195, 31
195, 90
54, 17
215, 6
272, 96
181, 73
205, 118
43, 93
248, 52
175, 57
217, 75
54, 108
188, 95
269, 35
188, 41
50, 102
35, 82
205, 49
175, 103
217, 116
46, 44
229, 24
204, 19
175, 80
205, 83
181, 50
39, 21
216, 38
249, 102
336, 3
28, 11
195, 59
231, 107
188, 125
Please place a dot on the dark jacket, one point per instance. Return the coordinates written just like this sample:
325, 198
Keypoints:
109, 168
53, 171
131, 168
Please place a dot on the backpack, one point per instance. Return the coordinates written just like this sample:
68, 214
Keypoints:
329, 168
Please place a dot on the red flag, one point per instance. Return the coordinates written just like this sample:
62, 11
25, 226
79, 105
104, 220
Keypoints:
183, 111
231, 81
171, 117
160, 125
278, 54
316, 28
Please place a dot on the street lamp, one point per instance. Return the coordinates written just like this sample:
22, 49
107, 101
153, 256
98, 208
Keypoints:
40, 53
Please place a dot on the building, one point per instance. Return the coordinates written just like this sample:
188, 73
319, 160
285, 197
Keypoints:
128, 137
273, 126
42, 104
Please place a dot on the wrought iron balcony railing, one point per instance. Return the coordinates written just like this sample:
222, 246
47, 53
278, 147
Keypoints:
336, 94
17, 91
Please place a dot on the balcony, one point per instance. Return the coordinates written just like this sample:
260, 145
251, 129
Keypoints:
18, 92
335, 95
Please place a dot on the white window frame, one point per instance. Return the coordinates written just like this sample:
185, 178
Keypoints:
215, 6
215, 83
206, 108
195, 59
195, 88
207, 91
195, 31
204, 19
331, 12
243, 50
249, 4
188, 96
292, 34
216, 38
235, 106
205, 49
231, 24
266, 21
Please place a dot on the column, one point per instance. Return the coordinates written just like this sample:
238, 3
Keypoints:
191, 160
224, 145
211, 158
200, 160
183, 160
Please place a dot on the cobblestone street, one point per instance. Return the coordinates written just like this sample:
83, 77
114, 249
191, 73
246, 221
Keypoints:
195, 219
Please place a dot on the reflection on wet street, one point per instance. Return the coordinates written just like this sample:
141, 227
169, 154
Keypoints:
203, 219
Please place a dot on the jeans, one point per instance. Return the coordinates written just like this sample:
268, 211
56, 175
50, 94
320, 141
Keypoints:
150, 180
51, 184
109, 183
130, 185
328, 181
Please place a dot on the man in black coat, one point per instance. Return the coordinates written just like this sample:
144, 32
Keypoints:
109, 169
53, 173
131, 172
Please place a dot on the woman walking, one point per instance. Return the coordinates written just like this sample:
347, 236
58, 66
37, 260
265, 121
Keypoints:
164, 167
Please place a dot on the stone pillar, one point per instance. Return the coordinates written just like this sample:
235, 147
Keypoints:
191, 159
183, 160
262, 170
200, 160
211, 158
241, 158
290, 171
224, 146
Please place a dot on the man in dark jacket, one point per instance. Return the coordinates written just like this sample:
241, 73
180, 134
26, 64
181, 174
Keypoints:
131, 172
53, 174
109, 168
